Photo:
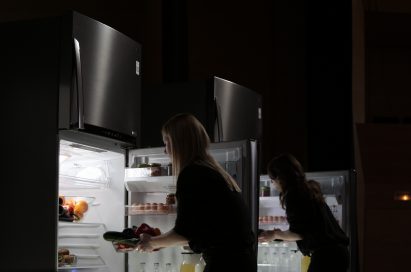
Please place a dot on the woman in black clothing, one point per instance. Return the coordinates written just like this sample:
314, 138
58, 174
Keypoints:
311, 223
212, 217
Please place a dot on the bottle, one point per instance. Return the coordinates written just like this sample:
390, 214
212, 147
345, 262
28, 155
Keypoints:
156, 267
275, 259
142, 267
305, 262
168, 267
191, 262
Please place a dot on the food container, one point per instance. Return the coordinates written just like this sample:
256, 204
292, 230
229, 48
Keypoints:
146, 170
125, 246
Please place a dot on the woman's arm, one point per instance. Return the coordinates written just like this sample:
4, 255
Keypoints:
277, 234
149, 243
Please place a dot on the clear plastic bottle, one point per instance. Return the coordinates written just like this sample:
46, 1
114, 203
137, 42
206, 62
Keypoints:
275, 259
169, 267
142, 267
294, 260
156, 267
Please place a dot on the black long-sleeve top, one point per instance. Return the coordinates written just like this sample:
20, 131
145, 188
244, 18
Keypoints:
210, 215
314, 221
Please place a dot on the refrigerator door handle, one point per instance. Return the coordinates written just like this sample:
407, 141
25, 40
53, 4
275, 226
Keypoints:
218, 127
80, 99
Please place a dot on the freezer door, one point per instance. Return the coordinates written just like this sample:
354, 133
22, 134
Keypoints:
106, 80
239, 158
239, 113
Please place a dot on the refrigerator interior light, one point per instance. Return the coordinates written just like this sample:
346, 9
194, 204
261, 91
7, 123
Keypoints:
91, 173
402, 196
63, 157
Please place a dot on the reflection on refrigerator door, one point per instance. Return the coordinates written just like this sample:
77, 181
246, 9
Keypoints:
91, 192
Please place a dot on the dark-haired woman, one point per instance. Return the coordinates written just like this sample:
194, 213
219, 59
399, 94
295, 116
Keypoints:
311, 223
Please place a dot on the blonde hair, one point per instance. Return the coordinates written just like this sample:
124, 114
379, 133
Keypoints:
189, 143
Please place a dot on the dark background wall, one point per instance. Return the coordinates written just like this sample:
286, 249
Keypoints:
296, 55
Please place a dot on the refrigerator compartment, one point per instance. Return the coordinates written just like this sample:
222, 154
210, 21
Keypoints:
150, 209
90, 261
75, 199
70, 182
81, 248
84, 262
66, 228
151, 170
83, 166
78, 238
160, 184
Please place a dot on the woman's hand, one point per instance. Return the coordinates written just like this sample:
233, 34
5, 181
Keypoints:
145, 244
268, 235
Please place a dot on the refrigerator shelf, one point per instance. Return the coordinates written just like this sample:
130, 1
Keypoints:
273, 224
162, 184
270, 202
136, 210
83, 227
85, 261
72, 182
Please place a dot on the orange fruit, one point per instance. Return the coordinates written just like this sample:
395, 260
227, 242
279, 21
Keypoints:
81, 206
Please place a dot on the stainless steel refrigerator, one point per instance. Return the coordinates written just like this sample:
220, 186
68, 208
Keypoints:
70, 85
71, 116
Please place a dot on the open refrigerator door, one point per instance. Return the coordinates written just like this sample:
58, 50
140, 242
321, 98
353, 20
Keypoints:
91, 192
151, 190
279, 256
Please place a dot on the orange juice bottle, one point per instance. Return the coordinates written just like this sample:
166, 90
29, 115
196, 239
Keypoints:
187, 267
191, 262
305, 262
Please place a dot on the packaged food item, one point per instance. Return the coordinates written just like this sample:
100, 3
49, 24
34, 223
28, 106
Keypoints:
128, 239
65, 258
265, 191
171, 199
147, 169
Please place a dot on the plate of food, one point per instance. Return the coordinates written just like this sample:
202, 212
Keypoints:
127, 240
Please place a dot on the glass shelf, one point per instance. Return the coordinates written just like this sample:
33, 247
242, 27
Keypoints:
163, 184
83, 241
136, 210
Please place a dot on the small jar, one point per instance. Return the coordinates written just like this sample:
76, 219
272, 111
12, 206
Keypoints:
264, 190
171, 199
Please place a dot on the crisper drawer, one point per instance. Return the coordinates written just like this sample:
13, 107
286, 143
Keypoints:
81, 241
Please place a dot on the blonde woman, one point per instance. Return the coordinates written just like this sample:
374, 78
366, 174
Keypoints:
212, 217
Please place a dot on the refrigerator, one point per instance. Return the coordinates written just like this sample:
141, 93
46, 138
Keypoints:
214, 101
279, 256
72, 112
68, 82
